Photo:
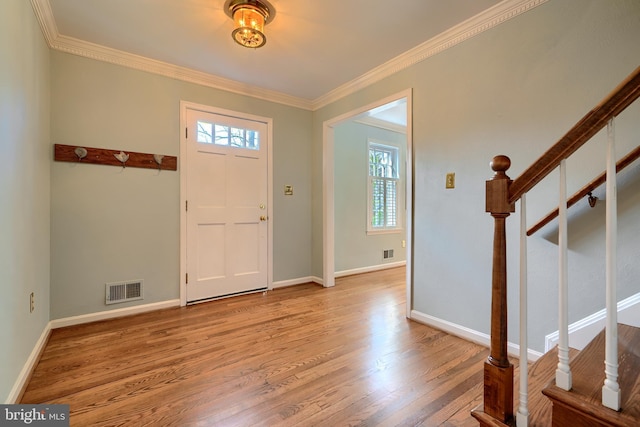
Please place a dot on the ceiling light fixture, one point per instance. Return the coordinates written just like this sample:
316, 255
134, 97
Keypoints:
250, 17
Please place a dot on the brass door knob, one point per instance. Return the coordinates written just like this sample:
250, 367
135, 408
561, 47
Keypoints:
263, 218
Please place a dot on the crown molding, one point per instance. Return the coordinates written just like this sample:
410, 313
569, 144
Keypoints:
44, 15
42, 9
473, 26
486, 20
382, 124
113, 56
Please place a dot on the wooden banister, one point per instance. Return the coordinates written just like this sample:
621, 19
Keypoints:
498, 371
619, 99
501, 195
597, 182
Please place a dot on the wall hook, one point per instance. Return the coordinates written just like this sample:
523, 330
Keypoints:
123, 157
117, 158
81, 152
592, 200
158, 158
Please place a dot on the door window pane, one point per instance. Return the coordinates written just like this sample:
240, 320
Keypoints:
205, 132
213, 133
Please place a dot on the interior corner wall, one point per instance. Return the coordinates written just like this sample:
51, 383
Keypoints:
24, 188
111, 224
514, 89
354, 248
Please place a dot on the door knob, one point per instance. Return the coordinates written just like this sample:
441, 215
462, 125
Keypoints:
263, 218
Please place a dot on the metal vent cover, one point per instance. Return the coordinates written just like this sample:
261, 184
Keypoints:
123, 291
387, 253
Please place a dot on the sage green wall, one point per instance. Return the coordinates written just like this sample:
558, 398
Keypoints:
24, 187
69, 228
111, 224
353, 247
514, 89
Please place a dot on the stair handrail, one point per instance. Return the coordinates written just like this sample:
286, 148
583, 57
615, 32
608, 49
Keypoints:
586, 190
501, 195
596, 119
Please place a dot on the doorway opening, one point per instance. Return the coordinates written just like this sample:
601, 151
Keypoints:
383, 118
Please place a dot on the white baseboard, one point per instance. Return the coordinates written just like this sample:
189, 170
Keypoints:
29, 365
111, 314
370, 268
469, 334
319, 281
583, 331
294, 282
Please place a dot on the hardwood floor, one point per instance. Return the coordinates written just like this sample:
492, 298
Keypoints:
298, 356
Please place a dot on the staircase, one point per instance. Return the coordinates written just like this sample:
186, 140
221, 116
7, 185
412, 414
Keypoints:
600, 386
581, 406
541, 374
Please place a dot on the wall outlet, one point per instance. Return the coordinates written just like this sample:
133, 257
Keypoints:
32, 303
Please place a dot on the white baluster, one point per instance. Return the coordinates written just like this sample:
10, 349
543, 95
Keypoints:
563, 372
522, 417
611, 389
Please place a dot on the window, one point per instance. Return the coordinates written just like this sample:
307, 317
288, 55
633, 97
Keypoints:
383, 188
211, 133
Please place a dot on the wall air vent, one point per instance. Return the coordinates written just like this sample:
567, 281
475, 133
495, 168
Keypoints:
387, 253
123, 291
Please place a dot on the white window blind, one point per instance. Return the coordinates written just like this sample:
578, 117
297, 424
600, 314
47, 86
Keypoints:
383, 187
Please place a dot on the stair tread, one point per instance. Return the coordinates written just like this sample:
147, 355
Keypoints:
588, 377
541, 373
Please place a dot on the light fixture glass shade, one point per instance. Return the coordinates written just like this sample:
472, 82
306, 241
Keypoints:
249, 26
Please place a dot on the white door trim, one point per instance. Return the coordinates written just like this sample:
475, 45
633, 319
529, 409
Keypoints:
184, 106
328, 220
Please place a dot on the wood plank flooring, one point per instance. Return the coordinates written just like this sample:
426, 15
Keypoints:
298, 356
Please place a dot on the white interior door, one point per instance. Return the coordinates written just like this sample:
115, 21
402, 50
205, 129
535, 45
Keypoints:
227, 190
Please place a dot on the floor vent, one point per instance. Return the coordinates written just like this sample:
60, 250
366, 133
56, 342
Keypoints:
123, 291
387, 253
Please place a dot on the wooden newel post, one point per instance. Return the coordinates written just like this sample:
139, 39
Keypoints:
498, 372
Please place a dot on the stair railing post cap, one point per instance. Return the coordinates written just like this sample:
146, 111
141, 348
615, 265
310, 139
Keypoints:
500, 163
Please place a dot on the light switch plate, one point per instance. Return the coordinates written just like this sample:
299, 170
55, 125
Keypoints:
451, 180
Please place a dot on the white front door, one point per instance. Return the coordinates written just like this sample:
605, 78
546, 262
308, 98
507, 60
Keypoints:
226, 205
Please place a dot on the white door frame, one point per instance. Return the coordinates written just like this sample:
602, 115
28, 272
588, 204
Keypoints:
328, 206
184, 106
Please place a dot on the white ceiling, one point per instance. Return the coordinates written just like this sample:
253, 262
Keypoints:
314, 47
392, 116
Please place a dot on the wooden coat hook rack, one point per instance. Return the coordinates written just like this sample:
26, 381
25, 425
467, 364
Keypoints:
103, 156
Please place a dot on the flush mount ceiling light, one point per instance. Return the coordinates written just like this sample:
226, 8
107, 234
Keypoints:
249, 17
